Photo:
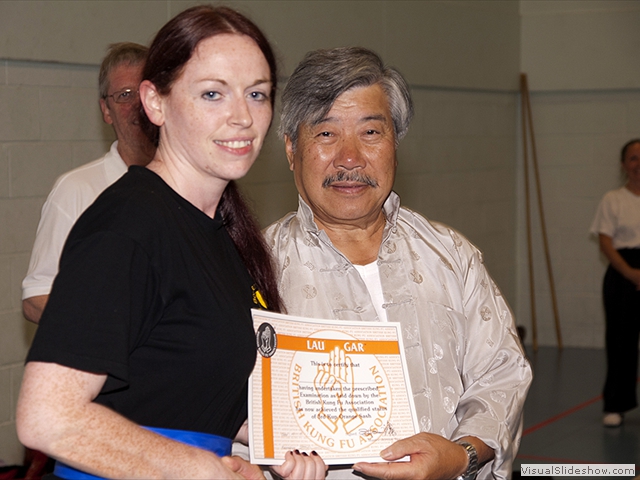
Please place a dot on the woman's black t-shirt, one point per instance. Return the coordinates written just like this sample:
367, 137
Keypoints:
152, 292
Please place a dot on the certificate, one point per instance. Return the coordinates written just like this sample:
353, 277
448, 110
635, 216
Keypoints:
337, 387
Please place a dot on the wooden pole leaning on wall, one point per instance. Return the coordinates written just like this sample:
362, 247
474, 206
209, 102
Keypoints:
527, 202
527, 119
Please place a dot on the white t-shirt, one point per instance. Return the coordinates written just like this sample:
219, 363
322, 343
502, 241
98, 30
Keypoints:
618, 216
72, 193
371, 276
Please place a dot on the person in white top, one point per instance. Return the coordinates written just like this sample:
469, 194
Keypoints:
617, 225
120, 75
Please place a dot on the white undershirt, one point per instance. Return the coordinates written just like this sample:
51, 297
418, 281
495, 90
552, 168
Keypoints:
371, 276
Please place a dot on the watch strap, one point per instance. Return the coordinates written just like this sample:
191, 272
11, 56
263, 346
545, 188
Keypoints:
472, 467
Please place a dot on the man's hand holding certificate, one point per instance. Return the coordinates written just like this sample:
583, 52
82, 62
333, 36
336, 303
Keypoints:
334, 387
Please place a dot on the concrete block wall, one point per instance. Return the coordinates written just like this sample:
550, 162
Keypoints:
578, 137
478, 199
460, 164
581, 61
455, 166
49, 123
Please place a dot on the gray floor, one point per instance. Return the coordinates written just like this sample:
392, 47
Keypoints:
563, 412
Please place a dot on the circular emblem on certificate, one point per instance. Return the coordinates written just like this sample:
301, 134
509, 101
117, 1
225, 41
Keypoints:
340, 395
266, 340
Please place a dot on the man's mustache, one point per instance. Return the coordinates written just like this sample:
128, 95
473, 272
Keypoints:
343, 176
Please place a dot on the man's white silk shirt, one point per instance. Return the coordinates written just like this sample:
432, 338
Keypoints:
468, 372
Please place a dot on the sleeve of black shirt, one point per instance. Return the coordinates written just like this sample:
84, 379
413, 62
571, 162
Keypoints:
99, 307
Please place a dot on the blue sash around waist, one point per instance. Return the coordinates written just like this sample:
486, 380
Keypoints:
221, 446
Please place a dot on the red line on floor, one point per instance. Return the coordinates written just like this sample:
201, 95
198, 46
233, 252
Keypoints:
561, 415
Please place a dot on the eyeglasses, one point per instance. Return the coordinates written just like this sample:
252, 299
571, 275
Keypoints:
127, 95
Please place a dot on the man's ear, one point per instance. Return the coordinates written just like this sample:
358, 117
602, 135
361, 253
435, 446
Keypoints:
106, 113
151, 102
288, 147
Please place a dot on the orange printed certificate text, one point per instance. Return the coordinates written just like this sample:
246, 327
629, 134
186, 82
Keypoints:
339, 388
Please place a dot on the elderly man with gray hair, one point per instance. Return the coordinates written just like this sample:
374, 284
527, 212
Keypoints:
351, 252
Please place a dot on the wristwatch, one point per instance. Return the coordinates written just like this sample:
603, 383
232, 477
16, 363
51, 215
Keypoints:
472, 467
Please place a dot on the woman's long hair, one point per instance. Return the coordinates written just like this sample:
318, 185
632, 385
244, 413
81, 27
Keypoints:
171, 49
245, 232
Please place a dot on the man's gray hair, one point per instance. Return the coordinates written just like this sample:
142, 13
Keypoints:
323, 75
117, 54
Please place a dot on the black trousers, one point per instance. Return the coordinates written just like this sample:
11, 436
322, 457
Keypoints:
622, 310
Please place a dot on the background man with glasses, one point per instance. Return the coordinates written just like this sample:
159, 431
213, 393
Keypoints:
73, 192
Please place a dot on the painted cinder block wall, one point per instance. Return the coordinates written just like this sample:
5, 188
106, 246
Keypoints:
459, 164
456, 165
581, 60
